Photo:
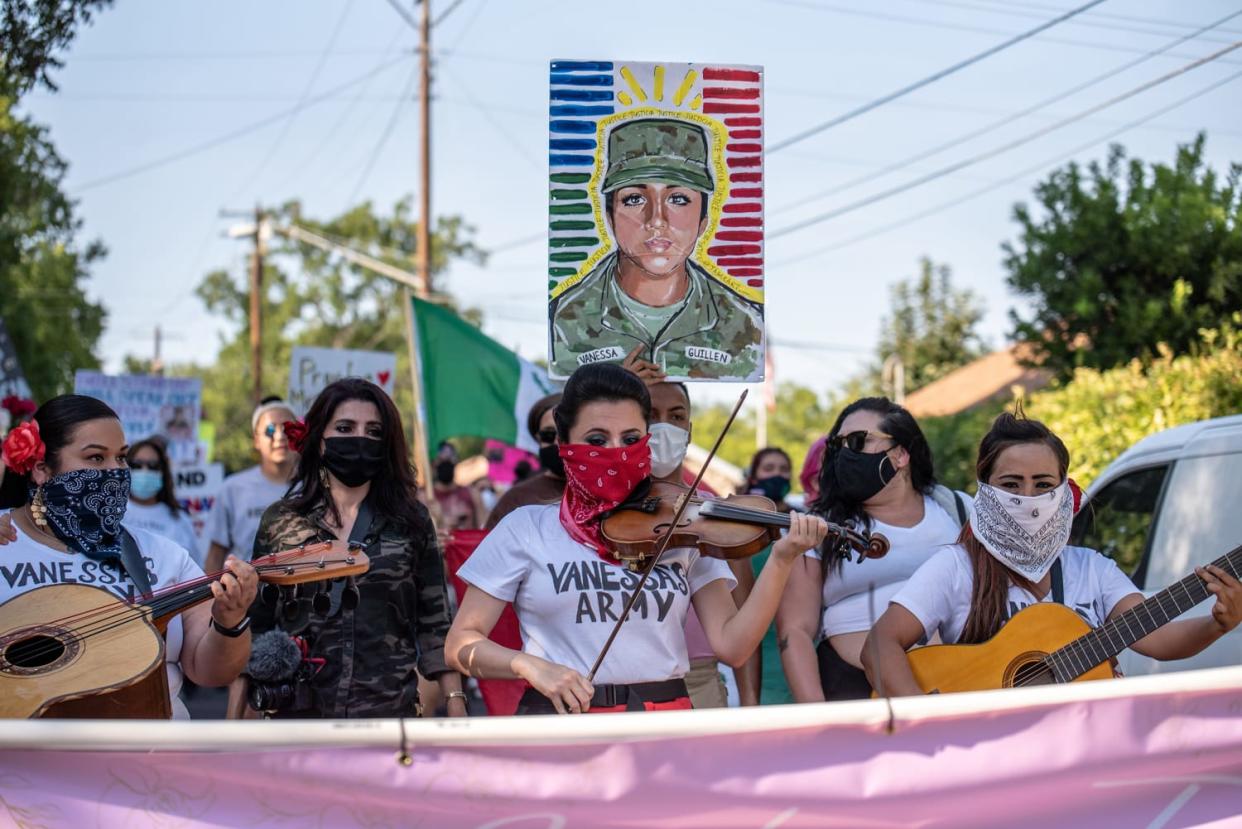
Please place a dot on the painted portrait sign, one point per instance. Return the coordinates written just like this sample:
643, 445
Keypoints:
656, 217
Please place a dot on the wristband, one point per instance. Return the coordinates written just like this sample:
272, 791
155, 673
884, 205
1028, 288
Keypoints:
233, 632
452, 695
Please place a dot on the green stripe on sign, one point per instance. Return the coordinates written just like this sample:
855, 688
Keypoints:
568, 256
565, 195
573, 241
561, 272
570, 178
573, 224
566, 209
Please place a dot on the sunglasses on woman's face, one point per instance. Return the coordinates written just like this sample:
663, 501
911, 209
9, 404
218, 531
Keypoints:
546, 437
270, 431
855, 441
154, 466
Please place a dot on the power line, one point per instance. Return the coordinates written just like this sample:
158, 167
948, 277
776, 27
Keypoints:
1034, 168
1158, 21
1008, 119
405, 15
233, 135
385, 135
1026, 139
505, 135
906, 90
439, 18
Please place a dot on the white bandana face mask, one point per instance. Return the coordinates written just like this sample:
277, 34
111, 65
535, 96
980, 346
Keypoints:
668, 448
1025, 533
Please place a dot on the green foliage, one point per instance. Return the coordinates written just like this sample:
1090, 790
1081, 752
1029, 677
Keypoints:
31, 31
313, 298
931, 327
54, 327
1124, 257
1100, 414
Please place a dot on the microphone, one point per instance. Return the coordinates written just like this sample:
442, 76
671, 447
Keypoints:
274, 657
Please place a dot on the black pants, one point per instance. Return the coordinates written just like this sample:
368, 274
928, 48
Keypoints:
840, 679
614, 697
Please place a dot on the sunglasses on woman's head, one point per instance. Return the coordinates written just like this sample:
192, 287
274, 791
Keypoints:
855, 441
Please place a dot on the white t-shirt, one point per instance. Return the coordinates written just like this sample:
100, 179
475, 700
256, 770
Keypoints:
567, 598
159, 519
939, 593
848, 604
26, 564
234, 521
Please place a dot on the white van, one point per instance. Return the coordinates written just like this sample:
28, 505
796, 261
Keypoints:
1170, 503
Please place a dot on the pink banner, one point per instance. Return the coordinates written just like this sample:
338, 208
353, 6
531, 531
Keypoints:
1152, 752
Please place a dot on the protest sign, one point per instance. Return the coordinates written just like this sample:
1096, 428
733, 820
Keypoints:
313, 368
149, 406
197, 487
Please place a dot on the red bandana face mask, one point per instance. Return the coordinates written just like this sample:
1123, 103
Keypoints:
597, 479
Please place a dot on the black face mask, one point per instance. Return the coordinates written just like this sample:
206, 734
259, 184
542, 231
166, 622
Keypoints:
353, 460
444, 472
550, 459
775, 488
861, 475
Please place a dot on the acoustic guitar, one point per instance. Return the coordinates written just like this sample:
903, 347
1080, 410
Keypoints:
1048, 643
71, 650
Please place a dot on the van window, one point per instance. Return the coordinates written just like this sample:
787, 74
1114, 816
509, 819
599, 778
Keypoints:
1200, 519
1118, 519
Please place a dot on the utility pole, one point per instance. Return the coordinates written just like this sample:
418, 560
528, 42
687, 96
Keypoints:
424, 104
157, 361
256, 306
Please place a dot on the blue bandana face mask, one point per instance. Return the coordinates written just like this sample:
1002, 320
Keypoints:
84, 508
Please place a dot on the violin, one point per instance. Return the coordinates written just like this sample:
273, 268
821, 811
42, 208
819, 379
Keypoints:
729, 528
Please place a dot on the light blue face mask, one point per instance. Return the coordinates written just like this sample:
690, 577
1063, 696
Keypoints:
145, 484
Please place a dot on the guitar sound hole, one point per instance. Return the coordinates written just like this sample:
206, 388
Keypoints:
34, 652
1034, 673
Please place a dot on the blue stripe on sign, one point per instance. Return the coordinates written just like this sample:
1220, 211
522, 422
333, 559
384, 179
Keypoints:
565, 160
571, 144
582, 80
581, 66
573, 109
573, 127
581, 95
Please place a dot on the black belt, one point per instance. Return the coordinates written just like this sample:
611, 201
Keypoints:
610, 696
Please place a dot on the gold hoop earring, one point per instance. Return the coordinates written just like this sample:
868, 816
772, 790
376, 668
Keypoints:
324, 479
38, 512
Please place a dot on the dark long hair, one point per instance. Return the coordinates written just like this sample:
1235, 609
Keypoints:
167, 494
989, 597
905, 431
394, 491
594, 383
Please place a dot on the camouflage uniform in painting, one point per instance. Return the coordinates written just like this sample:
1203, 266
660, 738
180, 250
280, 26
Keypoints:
400, 621
713, 332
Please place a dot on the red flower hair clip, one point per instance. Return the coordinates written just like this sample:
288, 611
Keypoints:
23, 448
295, 433
19, 407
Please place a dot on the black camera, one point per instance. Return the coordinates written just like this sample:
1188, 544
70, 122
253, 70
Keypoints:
280, 674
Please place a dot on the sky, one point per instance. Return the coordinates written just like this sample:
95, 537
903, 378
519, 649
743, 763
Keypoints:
151, 82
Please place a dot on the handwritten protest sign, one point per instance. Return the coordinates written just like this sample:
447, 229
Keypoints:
149, 406
313, 368
197, 487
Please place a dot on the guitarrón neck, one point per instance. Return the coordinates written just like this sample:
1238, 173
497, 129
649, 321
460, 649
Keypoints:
1111, 638
171, 602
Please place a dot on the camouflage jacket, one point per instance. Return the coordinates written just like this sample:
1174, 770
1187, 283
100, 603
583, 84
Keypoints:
715, 334
400, 622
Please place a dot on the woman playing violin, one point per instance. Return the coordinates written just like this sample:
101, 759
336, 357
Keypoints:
72, 456
553, 564
1013, 553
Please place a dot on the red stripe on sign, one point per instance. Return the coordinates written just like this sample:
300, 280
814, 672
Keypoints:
740, 134
743, 122
745, 271
714, 74
740, 235
739, 261
740, 221
740, 177
745, 94
744, 161
710, 108
755, 283
734, 250
744, 148
743, 207
747, 193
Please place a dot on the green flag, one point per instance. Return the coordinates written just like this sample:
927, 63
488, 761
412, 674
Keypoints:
473, 385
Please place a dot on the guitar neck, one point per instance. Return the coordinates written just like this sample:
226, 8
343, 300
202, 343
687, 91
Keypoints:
1111, 638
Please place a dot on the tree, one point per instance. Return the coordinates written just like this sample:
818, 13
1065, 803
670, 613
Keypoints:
31, 31
54, 327
932, 327
1124, 257
313, 298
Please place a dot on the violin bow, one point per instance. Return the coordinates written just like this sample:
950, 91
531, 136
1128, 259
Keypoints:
683, 504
